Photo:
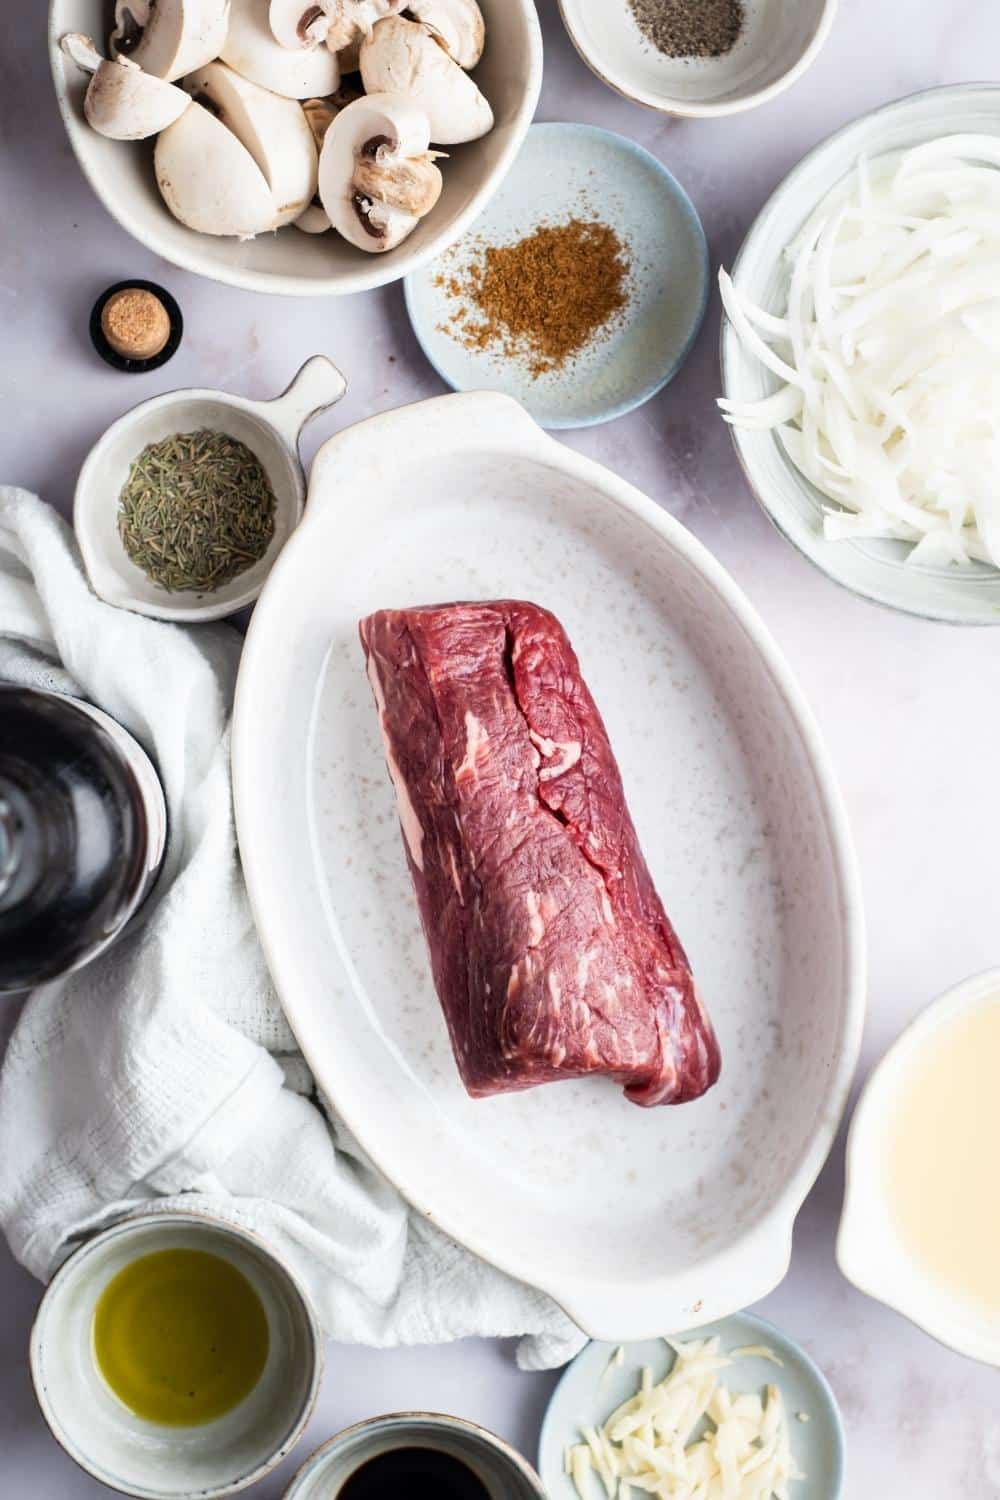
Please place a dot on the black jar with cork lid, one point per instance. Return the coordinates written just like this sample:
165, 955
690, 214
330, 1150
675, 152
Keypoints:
83, 830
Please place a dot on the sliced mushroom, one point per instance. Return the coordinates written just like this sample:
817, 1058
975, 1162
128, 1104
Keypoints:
319, 115
402, 57
209, 180
352, 20
122, 102
456, 24
377, 177
339, 23
349, 57
169, 38
250, 48
273, 129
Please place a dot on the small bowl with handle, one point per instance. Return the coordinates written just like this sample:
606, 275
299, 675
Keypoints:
288, 262
271, 429
143, 1458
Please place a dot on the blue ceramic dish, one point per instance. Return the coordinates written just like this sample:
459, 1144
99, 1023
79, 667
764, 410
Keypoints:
578, 171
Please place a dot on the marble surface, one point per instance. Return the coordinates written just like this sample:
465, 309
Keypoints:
909, 709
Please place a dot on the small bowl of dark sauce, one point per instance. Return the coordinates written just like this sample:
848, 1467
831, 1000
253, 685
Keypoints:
422, 1455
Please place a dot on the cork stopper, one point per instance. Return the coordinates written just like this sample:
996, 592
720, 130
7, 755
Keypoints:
135, 323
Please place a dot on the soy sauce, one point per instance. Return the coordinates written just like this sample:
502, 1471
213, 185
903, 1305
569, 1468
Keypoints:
417, 1474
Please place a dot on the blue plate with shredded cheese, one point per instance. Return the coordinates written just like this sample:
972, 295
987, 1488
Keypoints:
736, 1403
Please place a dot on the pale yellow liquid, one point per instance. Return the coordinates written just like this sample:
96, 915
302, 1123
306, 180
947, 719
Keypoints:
944, 1157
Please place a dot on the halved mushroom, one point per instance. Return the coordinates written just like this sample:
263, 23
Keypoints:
338, 23
349, 57
209, 180
169, 38
122, 102
320, 114
456, 24
402, 57
250, 47
377, 178
273, 129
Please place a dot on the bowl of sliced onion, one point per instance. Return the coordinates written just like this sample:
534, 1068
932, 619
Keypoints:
861, 355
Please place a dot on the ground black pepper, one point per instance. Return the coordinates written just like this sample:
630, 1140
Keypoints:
689, 28
541, 299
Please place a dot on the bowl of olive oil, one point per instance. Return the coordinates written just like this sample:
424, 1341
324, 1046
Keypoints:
175, 1356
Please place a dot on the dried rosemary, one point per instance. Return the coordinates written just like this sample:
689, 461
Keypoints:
196, 511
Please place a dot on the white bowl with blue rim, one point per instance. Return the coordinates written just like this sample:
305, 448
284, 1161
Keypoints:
596, 1383
568, 172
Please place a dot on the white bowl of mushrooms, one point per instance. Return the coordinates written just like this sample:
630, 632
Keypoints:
303, 147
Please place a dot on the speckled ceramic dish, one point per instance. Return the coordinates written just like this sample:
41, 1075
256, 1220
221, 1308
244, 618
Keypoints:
504, 1473
566, 172
590, 1390
635, 1220
877, 570
142, 1458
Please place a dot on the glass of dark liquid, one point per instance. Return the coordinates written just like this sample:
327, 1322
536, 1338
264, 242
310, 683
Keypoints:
419, 1455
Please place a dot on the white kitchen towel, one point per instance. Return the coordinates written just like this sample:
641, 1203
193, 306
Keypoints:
164, 1074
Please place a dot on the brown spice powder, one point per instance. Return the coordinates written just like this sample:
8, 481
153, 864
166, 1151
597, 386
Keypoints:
543, 298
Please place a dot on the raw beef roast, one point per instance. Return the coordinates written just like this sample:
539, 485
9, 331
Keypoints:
552, 955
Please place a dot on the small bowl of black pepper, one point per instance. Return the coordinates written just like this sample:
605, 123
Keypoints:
185, 502
699, 58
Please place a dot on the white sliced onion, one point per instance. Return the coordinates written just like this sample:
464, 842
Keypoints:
887, 352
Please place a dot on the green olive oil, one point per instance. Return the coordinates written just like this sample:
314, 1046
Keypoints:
180, 1337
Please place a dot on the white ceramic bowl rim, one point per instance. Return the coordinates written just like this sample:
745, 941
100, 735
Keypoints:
677, 191
708, 109
865, 1129
728, 347
474, 1430
185, 1218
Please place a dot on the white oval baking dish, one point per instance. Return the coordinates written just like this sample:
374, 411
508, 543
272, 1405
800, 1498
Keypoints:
634, 1220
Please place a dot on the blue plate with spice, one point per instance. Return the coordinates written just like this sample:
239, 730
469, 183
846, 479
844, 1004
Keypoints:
580, 289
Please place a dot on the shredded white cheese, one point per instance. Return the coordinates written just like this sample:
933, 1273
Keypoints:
888, 352
689, 1437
